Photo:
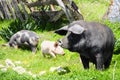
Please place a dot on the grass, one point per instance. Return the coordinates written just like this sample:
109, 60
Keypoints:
92, 11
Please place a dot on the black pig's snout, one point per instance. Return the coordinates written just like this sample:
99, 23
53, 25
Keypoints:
60, 43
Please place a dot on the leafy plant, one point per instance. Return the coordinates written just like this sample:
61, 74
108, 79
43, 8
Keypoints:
16, 26
39, 23
13, 76
117, 46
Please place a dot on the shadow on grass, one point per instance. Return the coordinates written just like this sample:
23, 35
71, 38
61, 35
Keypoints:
63, 71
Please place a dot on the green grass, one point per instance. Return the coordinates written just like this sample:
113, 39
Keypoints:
92, 11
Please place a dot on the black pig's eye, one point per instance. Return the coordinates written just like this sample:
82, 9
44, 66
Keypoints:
71, 37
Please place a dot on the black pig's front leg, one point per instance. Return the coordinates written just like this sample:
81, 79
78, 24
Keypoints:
85, 62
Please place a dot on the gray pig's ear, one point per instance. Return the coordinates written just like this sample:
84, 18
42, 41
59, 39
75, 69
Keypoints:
62, 31
76, 29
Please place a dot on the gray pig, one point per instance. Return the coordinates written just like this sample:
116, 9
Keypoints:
52, 48
23, 38
92, 40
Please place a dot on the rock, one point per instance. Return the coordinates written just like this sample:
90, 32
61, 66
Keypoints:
52, 69
19, 69
42, 72
4, 69
9, 63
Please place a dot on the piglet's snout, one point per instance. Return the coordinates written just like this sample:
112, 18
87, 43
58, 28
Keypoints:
62, 53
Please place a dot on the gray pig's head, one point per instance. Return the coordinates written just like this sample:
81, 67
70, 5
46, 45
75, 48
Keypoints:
73, 36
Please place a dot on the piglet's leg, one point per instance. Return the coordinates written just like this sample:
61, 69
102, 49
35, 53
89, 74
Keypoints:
43, 54
52, 54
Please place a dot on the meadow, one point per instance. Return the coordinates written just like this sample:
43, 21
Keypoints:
92, 10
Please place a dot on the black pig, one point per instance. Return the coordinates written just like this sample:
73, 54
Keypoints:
23, 38
92, 40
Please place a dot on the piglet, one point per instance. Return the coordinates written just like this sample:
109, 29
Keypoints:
52, 48
23, 38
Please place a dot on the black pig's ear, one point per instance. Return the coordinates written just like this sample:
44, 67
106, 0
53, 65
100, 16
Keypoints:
62, 31
76, 29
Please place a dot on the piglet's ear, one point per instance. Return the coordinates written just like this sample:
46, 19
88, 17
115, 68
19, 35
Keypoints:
62, 31
76, 29
56, 44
